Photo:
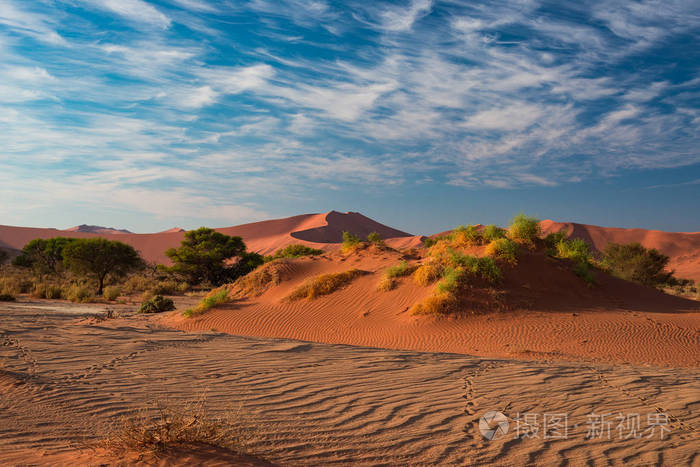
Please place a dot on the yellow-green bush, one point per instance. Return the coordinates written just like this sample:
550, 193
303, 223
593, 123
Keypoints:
111, 292
215, 298
80, 293
503, 249
47, 290
466, 236
524, 229
391, 274
492, 232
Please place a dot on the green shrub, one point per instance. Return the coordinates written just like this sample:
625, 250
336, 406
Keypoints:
576, 249
80, 293
112, 292
375, 239
351, 242
400, 270
6, 297
492, 232
635, 263
294, 251
524, 229
388, 281
325, 284
432, 241
503, 249
583, 270
157, 304
452, 280
478, 267
215, 298
554, 238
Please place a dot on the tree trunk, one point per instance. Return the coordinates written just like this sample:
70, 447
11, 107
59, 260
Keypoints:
101, 280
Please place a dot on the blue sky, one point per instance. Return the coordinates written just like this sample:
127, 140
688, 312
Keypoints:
422, 114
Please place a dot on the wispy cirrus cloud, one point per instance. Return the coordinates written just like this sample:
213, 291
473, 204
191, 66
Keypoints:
165, 97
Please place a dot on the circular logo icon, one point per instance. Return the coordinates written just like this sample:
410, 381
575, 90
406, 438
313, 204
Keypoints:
493, 425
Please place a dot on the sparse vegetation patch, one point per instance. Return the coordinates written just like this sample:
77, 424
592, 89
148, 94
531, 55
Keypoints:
157, 304
503, 249
524, 229
325, 284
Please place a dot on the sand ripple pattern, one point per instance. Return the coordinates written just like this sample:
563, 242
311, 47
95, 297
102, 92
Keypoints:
319, 404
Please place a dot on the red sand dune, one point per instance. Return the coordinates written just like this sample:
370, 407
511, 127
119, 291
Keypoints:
546, 311
316, 230
682, 247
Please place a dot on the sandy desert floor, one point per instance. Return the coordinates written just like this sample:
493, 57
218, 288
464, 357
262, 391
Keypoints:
64, 375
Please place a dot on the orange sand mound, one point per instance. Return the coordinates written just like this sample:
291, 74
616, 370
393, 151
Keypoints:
548, 312
682, 247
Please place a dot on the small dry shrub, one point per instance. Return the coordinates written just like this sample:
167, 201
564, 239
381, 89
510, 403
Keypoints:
386, 284
163, 427
80, 293
47, 290
427, 274
6, 297
259, 281
157, 304
112, 292
325, 284
442, 303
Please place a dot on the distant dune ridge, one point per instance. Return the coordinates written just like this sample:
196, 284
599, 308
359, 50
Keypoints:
682, 247
97, 229
325, 231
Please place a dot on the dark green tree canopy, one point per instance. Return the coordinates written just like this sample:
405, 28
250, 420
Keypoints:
635, 263
44, 255
203, 256
99, 257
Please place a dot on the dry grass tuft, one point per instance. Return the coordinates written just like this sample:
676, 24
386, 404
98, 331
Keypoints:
391, 274
163, 427
260, 280
441, 303
386, 284
253, 284
325, 284
426, 274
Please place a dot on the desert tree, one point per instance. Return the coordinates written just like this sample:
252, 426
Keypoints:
635, 263
208, 256
99, 257
45, 256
